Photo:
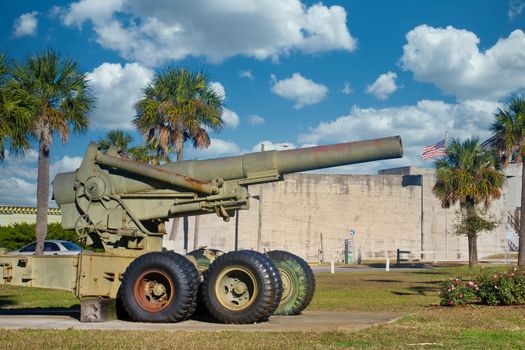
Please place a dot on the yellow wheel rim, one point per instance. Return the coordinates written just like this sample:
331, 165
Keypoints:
236, 288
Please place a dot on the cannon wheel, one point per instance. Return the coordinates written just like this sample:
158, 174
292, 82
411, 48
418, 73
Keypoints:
298, 282
276, 277
240, 287
202, 256
159, 287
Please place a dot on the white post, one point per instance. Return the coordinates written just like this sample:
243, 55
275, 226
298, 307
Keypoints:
387, 268
332, 267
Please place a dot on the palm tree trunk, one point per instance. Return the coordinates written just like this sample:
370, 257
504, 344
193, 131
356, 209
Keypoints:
521, 249
42, 197
472, 251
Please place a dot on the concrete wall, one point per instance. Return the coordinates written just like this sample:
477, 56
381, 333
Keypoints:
384, 210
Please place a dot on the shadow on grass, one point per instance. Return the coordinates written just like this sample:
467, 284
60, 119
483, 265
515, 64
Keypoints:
384, 281
417, 290
73, 311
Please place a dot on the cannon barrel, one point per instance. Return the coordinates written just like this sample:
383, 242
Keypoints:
200, 175
290, 161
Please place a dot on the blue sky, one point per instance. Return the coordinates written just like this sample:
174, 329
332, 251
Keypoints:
296, 73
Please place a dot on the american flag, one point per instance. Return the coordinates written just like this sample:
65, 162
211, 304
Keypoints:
435, 150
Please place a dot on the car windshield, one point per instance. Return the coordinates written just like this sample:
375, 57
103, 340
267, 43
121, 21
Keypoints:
71, 246
29, 248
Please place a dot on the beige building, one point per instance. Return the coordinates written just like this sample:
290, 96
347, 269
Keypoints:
312, 214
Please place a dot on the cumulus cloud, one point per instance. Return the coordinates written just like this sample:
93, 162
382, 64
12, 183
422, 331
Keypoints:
218, 148
152, 32
418, 125
384, 86
246, 74
230, 118
18, 177
219, 89
117, 88
25, 25
299, 89
255, 119
450, 58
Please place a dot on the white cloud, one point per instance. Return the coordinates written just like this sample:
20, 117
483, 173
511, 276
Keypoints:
450, 59
26, 24
230, 118
65, 164
271, 146
117, 88
219, 89
246, 74
218, 147
347, 88
18, 177
515, 9
299, 89
156, 31
255, 119
98, 11
384, 86
419, 125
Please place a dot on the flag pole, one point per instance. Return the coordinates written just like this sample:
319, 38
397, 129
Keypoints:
446, 210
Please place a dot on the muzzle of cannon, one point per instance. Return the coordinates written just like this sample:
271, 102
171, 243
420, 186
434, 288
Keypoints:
120, 204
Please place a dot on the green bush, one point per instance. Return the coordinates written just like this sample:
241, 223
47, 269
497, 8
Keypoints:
490, 288
507, 288
16, 236
456, 292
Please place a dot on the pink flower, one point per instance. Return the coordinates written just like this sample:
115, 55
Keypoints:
448, 290
461, 296
457, 283
495, 287
470, 284
451, 302
452, 288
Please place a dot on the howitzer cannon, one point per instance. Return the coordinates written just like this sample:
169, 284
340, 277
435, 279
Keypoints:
121, 205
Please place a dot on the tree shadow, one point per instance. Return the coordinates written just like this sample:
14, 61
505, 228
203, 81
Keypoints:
416, 290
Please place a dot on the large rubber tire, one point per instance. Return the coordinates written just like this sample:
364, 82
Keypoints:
159, 287
239, 287
298, 282
195, 279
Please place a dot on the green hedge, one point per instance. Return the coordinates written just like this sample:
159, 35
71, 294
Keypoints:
16, 236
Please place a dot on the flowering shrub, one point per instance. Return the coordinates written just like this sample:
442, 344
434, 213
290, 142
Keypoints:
507, 288
456, 292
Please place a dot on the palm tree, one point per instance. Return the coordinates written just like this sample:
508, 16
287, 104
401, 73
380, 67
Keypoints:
62, 101
470, 176
15, 113
118, 139
148, 154
178, 106
509, 134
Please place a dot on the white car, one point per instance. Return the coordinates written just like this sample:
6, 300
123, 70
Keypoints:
51, 247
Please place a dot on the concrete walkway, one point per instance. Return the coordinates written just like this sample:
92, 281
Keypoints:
309, 321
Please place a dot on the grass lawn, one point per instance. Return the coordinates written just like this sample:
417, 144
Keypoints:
414, 293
